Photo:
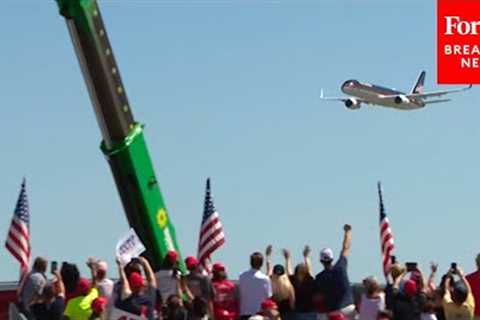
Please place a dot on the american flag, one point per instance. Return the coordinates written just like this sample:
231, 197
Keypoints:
386, 235
18, 238
211, 232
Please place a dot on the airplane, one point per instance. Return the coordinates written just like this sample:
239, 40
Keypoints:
366, 93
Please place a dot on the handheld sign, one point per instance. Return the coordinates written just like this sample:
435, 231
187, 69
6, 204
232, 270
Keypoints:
129, 247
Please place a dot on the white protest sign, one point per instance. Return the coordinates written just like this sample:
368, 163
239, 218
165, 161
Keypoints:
117, 314
128, 247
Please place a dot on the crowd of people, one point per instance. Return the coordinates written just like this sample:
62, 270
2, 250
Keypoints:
282, 292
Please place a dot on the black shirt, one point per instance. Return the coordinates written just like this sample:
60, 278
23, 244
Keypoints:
334, 285
200, 285
139, 303
303, 293
404, 307
53, 311
176, 314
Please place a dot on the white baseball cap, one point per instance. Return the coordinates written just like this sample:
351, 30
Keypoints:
326, 255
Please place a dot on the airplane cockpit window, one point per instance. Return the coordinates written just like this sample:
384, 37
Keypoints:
349, 83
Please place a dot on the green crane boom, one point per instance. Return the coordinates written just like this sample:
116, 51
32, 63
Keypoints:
123, 142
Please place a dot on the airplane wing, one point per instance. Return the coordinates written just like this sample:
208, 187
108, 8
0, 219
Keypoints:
426, 95
437, 101
343, 99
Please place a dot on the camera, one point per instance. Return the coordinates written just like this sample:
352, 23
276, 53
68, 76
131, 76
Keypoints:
453, 266
53, 266
411, 266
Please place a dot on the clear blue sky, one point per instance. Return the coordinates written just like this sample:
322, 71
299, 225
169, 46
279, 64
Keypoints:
229, 89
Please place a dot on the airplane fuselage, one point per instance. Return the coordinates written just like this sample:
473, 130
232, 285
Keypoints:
375, 94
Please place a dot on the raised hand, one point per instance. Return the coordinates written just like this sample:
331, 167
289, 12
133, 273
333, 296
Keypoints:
347, 227
143, 260
268, 251
286, 253
460, 272
91, 262
307, 251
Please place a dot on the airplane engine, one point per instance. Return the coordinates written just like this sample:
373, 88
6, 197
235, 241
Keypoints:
352, 103
401, 99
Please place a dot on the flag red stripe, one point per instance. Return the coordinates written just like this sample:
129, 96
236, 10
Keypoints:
17, 231
22, 260
211, 235
206, 247
387, 244
17, 246
21, 227
207, 225
386, 241
17, 253
387, 260
18, 243
18, 234
384, 225
207, 254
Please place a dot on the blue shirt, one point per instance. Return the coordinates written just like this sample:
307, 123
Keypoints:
334, 285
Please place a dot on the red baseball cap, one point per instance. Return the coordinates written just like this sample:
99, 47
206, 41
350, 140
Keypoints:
218, 267
336, 316
135, 280
99, 305
410, 287
83, 286
269, 304
191, 263
223, 314
172, 256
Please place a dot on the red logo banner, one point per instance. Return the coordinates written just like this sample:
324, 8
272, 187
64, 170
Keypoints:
458, 41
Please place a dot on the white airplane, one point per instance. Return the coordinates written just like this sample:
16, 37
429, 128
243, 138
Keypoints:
362, 92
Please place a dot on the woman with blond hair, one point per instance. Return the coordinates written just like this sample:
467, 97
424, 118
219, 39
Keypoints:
283, 292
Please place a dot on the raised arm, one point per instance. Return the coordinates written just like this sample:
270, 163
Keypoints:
288, 262
126, 291
183, 289
92, 265
461, 274
306, 259
268, 257
398, 280
421, 281
431, 286
60, 284
151, 280
447, 287
347, 240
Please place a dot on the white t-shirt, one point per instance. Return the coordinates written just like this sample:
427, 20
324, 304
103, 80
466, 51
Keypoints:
167, 283
105, 287
369, 307
254, 287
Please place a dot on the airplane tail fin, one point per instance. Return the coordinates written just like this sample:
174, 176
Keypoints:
418, 88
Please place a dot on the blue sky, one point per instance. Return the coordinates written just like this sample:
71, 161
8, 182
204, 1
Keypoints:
229, 89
